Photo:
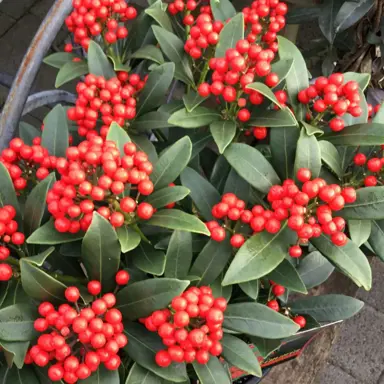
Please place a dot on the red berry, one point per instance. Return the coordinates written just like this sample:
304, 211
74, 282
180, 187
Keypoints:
304, 174
295, 251
72, 294
94, 287
163, 359
360, 159
300, 320
122, 277
273, 304
237, 240
278, 290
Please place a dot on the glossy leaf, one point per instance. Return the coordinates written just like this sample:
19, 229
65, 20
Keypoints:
258, 320
265, 91
327, 307
297, 78
265, 346
158, 11
376, 238
55, 135
203, 193
103, 376
149, 52
314, 269
238, 186
58, 59
211, 261
145, 145
359, 230
192, 100
35, 205
100, 252
140, 375
211, 373
19, 376
251, 288
272, 118
129, 239
28, 132
15, 352
348, 258
286, 275
148, 259
222, 10
282, 69
165, 196
223, 133
351, 12
179, 255
238, 354
252, 166
151, 120
142, 298
355, 135
308, 153
219, 291
232, 32
362, 79
260, 255
327, 18
16, 322
70, 71
119, 136
155, 88
199, 117
331, 157
98, 62
7, 191
171, 163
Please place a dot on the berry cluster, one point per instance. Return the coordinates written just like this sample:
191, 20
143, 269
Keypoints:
27, 163
109, 100
373, 165
204, 34
8, 236
76, 341
331, 95
191, 328
92, 177
92, 18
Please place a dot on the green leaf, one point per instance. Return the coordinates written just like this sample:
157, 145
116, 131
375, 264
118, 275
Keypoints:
265, 346
308, 154
149, 52
165, 196
7, 191
175, 219
351, 12
219, 291
19, 376
311, 130
158, 11
252, 166
286, 275
129, 239
356, 135
142, 298
222, 10
238, 186
265, 91
28, 132
238, 354
203, 193
327, 307
39, 285
179, 255
145, 145
56, 134
369, 205
211, 261
272, 118
297, 78
251, 288
15, 352
16, 322
283, 143
35, 205
39, 259
100, 252
48, 235
142, 348
363, 118
232, 32
146, 258
155, 88
258, 320
171, 163
314, 269
199, 117
15, 294
359, 230
103, 376
260, 255
211, 373
327, 18
70, 71
98, 62
192, 100
119, 136
223, 133
376, 238
58, 59
282, 69
349, 259
331, 157
151, 120
362, 79
140, 375
173, 48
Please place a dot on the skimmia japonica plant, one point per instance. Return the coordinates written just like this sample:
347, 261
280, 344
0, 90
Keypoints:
156, 228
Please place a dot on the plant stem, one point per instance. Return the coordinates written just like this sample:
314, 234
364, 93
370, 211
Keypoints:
138, 230
204, 73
